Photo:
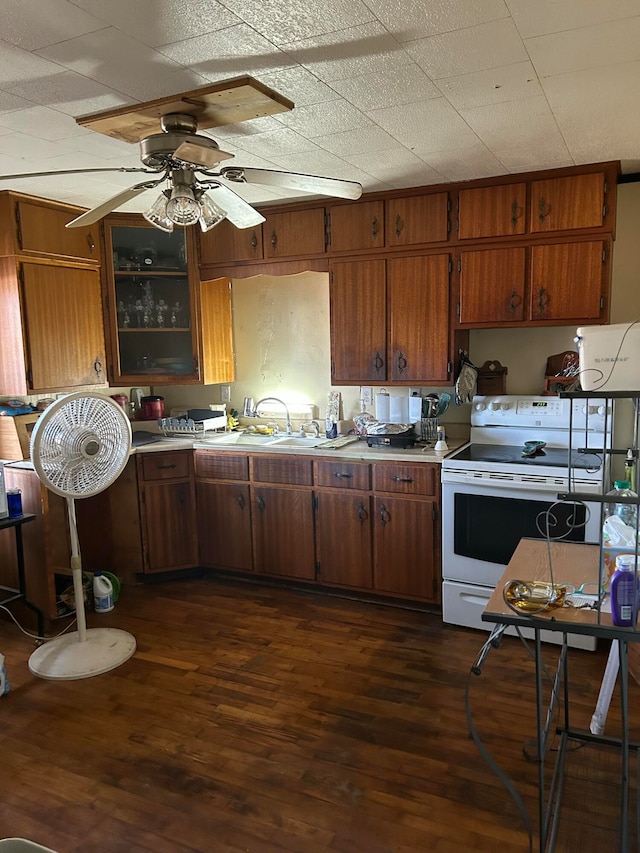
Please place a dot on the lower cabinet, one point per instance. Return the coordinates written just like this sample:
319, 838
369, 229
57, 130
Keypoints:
167, 510
348, 524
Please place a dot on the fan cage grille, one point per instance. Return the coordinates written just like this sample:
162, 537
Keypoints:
81, 446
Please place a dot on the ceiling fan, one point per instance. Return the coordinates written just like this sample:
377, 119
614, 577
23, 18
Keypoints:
187, 162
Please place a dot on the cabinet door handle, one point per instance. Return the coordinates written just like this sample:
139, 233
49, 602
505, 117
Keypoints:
378, 362
375, 227
384, 515
90, 242
274, 239
97, 366
514, 301
261, 503
241, 501
543, 300
516, 212
399, 224
363, 515
544, 210
402, 363
343, 476
165, 467
402, 479
196, 368
254, 241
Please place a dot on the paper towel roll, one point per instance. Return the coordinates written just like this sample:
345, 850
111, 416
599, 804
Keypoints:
415, 409
398, 410
382, 407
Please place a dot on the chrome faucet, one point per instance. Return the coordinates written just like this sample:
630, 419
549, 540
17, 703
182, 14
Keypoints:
314, 425
274, 400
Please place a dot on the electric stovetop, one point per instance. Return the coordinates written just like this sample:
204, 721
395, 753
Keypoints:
512, 454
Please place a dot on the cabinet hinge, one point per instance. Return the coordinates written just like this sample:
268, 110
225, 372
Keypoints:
450, 266
459, 265
458, 310
314, 502
604, 256
601, 303
18, 227
449, 368
327, 231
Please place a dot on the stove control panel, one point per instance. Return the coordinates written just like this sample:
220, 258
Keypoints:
528, 412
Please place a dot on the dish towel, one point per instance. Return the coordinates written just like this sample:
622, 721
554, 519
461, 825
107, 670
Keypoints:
466, 381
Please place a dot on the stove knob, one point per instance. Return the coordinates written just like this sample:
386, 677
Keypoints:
601, 411
480, 407
505, 406
495, 407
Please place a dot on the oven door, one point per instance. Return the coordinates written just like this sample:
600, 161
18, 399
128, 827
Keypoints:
483, 521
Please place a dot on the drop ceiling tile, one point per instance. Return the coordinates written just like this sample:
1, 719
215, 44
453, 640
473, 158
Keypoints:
70, 93
112, 58
30, 150
104, 147
586, 47
157, 22
523, 159
368, 49
597, 112
464, 164
321, 163
428, 125
508, 83
399, 177
320, 119
232, 52
550, 16
279, 22
389, 164
277, 143
18, 65
43, 123
31, 24
473, 49
528, 121
299, 85
10, 101
401, 85
264, 124
353, 142
414, 19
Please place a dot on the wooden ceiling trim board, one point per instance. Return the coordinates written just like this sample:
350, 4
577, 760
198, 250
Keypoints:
223, 103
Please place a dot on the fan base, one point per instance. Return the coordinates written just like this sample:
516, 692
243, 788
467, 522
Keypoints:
67, 658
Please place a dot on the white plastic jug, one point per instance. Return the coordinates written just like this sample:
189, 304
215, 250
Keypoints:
102, 593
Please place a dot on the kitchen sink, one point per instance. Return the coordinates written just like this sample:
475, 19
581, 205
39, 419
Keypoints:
297, 441
249, 438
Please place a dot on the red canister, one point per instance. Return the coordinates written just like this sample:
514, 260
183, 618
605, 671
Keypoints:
152, 408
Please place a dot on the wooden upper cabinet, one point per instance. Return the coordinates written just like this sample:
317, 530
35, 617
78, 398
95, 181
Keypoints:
410, 220
225, 243
37, 226
565, 204
418, 317
63, 316
299, 232
357, 291
216, 331
492, 211
492, 285
357, 227
568, 281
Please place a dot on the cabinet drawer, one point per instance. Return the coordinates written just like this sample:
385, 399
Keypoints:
343, 475
406, 479
272, 469
165, 466
221, 466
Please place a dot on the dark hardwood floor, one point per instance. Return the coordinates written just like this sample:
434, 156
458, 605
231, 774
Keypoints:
271, 721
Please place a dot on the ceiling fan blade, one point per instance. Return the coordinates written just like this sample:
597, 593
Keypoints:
79, 172
238, 211
110, 204
294, 181
200, 155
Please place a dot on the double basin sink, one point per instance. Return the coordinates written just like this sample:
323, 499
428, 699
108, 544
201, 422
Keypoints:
248, 439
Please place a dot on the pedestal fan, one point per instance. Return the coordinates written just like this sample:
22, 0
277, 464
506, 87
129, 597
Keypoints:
79, 446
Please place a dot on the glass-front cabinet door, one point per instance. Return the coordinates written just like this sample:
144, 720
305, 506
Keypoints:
151, 305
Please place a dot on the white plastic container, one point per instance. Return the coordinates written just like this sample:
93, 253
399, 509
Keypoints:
102, 593
608, 357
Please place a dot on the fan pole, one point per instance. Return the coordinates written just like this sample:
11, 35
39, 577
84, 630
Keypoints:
76, 570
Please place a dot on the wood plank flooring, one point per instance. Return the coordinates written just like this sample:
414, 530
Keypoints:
272, 721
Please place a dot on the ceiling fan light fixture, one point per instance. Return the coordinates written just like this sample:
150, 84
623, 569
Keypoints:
182, 207
210, 213
157, 214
